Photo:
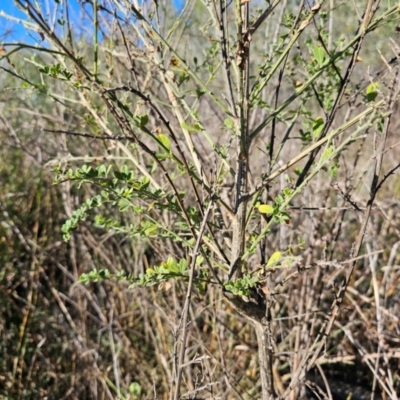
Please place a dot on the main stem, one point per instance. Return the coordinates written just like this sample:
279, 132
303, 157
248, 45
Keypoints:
242, 159
263, 330
265, 355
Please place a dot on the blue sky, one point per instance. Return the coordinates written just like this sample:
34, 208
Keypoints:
14, 31
17, 32
11, 31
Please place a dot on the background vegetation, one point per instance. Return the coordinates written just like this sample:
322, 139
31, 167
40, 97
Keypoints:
120, 140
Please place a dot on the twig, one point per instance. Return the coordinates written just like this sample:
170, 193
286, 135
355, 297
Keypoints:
185, 313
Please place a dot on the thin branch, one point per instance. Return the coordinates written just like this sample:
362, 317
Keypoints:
185, 313
316, 145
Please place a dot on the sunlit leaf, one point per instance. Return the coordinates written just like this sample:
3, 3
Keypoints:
191, 128
164, 139
318, 125
372, 91
229, 124
319, 55
327, 153
265, 209
275, 258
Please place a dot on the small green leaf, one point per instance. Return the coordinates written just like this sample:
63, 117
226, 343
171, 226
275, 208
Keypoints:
135, 389
372, 92
229, 124
182, 266
45, 70
275, 258
149, 229
102, 170
242, 286
200, 92
124, 204
164, 139
265, 209
161, 156
191, 128
318, 125
298, 171
143, 120
327, 153
201, 286
319, 55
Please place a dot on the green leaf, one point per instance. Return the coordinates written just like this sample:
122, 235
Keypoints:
45, 70
319, 55
200, 92
171, 265
372, 92
274, 259
201, 286
164, 139
120, 176
135, 390
142, 120
327, 153
229, 124
150, 229
162, 156
102, 170
124, 204
265, 209
298, 171
318, 125
191, 128
182, 266
242, 286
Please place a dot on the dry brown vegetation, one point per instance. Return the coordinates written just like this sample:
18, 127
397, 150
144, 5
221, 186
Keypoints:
329, 307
